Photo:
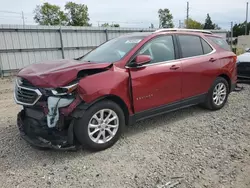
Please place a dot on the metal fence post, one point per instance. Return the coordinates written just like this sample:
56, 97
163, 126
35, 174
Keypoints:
61, 39
1, 67
106, 34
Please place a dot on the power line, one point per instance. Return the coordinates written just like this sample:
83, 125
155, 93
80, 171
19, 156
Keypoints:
3, 11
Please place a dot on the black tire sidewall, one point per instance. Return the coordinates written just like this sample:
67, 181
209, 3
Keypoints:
212, 105
81, 125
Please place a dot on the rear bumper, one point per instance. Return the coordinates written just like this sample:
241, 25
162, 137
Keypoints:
40, 136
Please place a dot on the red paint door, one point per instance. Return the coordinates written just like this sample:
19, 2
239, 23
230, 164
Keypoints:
158, 82
156, 85
199, 65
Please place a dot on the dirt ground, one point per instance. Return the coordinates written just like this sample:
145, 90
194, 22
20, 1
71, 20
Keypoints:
193, 147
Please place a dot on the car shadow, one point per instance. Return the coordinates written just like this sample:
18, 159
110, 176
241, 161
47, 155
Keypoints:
163, 120
16, 153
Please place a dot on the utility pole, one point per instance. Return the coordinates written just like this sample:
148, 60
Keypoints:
179, 23
23, 19
187, 14
246, 20
231, 43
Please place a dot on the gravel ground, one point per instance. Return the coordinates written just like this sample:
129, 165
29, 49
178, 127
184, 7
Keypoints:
191, 148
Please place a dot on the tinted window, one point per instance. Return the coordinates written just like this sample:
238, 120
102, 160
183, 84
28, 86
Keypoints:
190, 45
160, 49
113, 50
221, 42
206, 47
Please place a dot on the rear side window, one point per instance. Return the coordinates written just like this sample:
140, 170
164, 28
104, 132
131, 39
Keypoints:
206, 47
190, 45
221, 42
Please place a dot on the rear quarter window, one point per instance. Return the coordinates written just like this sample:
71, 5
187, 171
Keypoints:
220, 42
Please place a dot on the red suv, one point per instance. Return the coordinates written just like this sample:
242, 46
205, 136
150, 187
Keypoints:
89, 100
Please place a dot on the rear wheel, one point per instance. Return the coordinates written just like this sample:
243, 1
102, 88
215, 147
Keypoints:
101, 126
217, 95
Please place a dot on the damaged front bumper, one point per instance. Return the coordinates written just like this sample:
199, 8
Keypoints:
36, 133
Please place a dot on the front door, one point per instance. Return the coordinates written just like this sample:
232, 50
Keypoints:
157, 83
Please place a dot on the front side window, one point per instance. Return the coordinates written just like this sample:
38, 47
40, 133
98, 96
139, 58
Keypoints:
190, 45
159, 49
113, 50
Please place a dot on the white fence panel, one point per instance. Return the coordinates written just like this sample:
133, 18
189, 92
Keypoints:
21, 46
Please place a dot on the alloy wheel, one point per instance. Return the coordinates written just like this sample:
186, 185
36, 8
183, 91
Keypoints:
103, 126
219, 94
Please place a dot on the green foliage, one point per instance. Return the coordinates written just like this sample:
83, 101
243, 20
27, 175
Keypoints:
239, 29
193, 24
112, 25
165, 18
77, 14
48, 14
208, 23
115, 25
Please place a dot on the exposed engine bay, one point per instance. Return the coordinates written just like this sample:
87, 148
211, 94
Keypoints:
48, 114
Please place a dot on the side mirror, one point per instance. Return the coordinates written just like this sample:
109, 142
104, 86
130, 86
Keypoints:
142, 59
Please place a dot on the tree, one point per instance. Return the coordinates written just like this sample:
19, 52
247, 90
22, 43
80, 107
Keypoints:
239, 29
77, 14
208, 23
165, 18
48, 14
217, 27
115, 25
193, 24
112, 25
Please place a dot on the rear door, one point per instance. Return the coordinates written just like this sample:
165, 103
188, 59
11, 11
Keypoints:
199, 65
159, 82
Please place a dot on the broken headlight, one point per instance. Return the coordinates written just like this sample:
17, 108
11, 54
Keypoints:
64, 90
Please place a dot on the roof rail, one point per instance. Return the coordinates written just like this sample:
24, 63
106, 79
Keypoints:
184, 30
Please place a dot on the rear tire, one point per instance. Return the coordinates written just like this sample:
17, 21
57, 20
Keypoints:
217, 95
101, 126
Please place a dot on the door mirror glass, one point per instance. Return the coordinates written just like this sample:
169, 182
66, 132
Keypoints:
142, 59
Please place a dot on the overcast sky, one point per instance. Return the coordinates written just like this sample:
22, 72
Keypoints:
135, 13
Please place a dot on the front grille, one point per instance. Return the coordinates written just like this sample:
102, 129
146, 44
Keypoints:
243, 69
26, 96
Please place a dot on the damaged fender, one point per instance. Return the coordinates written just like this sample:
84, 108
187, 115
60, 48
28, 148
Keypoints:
113, 82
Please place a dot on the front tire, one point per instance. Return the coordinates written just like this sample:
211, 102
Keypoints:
218, 94
101, 126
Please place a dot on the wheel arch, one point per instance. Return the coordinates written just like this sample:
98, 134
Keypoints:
116, 99
227, 78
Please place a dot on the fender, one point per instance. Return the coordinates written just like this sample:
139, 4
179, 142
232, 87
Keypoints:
113, 82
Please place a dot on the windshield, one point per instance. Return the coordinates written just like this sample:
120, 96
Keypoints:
113, 50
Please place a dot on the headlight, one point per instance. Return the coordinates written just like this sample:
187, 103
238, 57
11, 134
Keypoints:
64, 90
19, 81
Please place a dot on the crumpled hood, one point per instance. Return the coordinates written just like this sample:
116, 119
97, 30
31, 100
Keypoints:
52, 74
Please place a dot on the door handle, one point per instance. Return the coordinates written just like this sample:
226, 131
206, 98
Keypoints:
212, 60
174, 67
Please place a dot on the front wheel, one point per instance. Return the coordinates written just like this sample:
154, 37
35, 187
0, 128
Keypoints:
101, 126
218, 94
